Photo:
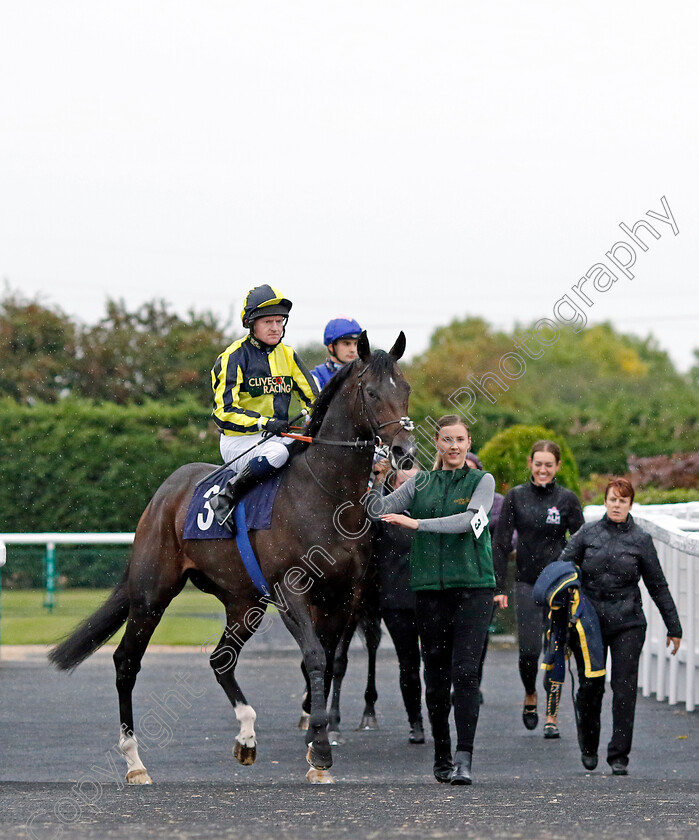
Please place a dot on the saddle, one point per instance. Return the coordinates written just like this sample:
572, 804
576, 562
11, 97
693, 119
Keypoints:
200, 523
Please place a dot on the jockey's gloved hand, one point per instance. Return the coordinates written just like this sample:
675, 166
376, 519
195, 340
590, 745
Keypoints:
276, 427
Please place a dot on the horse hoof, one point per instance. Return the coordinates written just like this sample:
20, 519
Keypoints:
303, 721
315, 762
368, 722
138, 777
336, 739
244, 755
319, 777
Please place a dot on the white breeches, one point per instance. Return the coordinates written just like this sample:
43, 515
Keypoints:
274, 449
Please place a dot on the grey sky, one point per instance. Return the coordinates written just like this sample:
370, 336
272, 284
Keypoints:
403, 162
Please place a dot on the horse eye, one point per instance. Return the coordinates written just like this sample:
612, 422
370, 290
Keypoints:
372, 393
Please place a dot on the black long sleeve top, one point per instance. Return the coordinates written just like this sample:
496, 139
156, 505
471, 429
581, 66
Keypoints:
541, 514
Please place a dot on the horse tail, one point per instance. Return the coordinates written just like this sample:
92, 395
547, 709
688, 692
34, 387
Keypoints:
94, 631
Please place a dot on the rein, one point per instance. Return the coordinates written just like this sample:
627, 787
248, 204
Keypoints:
317, 480
357, 444
405, 422
351, 444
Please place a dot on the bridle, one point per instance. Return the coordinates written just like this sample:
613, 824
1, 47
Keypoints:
376, 442
360, 443
405, 422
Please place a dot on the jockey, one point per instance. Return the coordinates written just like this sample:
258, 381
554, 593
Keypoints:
253, 380
340, 337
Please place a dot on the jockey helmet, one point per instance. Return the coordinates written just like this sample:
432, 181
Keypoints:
341, 327
262, 301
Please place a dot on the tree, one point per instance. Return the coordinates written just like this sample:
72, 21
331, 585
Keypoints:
610, 395
37, 347
312, 354
150, 353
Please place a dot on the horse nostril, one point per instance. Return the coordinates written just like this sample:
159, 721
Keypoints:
403, 458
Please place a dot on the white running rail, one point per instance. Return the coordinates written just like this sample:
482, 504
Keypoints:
675, 532
51, 540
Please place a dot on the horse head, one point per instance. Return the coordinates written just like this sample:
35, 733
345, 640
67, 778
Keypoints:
384, 394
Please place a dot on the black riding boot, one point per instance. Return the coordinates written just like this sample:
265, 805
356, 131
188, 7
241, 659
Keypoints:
443, 766
462, 768
224, 502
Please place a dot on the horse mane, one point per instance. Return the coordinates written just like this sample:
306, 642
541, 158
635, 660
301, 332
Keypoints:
380, 363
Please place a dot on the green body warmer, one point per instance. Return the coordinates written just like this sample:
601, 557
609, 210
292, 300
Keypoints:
448, 561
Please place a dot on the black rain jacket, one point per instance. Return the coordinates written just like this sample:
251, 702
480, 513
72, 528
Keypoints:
613, 557
542, 516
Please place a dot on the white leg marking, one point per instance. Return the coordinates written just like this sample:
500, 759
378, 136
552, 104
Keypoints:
136, 773
246, 718
319, 777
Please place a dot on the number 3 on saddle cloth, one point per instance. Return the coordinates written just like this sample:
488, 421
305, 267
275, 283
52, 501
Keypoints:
558, 588
252, 513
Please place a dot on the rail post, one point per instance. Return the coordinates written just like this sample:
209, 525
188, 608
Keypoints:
50, 573
3, 558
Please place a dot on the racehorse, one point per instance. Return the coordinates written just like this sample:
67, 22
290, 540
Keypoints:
313, 557
367, 620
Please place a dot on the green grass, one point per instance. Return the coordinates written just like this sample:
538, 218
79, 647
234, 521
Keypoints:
191, 619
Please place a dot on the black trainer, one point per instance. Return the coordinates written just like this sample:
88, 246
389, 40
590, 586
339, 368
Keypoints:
417, 733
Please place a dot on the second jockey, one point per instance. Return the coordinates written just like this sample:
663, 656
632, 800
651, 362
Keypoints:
253, 380
340, 337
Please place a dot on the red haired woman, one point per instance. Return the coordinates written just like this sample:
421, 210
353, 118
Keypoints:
613, 555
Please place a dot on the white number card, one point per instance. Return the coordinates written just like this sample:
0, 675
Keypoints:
479, 522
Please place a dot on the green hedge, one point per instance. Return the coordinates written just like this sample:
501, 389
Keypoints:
78, 466
505, 456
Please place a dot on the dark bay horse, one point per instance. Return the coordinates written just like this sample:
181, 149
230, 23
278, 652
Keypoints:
366, 620
313, 558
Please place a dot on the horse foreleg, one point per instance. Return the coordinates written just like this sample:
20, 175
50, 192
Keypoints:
319, 753
338, 675
223, 661
372, 636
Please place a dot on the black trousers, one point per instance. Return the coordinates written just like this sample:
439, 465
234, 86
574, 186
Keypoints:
625, 648
402, 626
453, 628
531, 624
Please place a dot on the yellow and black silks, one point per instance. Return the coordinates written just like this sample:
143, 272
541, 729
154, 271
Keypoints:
252, 384
558, 587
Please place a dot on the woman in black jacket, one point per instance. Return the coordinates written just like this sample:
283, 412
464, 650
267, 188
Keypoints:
613, 555
542, 512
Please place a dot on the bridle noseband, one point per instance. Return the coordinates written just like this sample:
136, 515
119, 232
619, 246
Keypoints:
376, 442
405, 422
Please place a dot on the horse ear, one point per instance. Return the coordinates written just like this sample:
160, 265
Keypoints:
363, 347
399, 347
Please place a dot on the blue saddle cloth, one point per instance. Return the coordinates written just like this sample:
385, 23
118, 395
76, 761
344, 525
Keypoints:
200, 523
559, 588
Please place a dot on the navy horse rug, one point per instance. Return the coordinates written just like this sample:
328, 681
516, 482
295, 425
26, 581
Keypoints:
256, 507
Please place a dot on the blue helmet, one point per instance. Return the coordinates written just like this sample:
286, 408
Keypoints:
341, 328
